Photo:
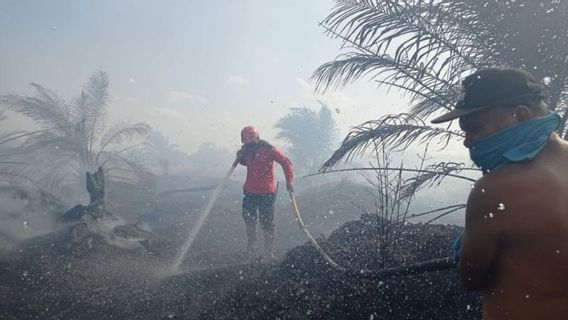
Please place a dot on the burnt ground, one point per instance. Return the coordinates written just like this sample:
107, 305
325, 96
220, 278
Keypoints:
119, 270
77, 274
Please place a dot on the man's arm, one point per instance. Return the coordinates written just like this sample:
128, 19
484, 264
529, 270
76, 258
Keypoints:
241, 156
286, 166
481, 237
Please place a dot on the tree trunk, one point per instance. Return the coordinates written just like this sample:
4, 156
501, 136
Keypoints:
96, 189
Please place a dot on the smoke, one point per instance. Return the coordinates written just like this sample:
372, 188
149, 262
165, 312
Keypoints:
25, 214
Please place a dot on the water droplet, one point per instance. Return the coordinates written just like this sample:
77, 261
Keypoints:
171, 315
546, 80
25, 273
490, 214
131, 80
26, 224
330, 212
527, 295
500, 207
468, 307
557, 251
482, 190
53, 28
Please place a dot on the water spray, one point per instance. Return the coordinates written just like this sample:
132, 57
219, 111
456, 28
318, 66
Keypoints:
193, 232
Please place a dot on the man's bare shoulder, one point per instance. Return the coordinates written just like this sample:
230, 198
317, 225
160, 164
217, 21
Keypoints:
503, 181
519, 176
520, 188
543, 172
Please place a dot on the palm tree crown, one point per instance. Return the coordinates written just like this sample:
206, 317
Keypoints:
73, 137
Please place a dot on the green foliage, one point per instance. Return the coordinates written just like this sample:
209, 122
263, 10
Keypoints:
311, 136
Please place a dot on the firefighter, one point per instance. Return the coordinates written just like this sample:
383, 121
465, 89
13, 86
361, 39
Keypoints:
259, 191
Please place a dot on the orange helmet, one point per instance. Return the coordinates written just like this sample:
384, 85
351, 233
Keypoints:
249, 134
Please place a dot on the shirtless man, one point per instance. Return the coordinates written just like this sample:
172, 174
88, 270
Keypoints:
515, 244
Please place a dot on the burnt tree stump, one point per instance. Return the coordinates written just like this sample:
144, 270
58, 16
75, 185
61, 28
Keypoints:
96, 189
96, 207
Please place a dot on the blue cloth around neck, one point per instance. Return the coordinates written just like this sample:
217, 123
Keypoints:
518, 143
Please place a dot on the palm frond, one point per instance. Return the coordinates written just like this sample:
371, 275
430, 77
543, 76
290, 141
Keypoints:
398, 130
432, 52
110, 156
18, 179
444, 214
412, 79
90, 105
425, 48
46, 108
97, 91
11, 136
461, 177
428, 30
123, 162
121, 133
434, 174
425, 106
421, 214
51, 170
18, 135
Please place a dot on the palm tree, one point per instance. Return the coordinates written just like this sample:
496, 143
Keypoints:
72, 137
425, 48
311, 136
161, 153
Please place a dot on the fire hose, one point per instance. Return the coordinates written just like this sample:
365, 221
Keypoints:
421, 267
